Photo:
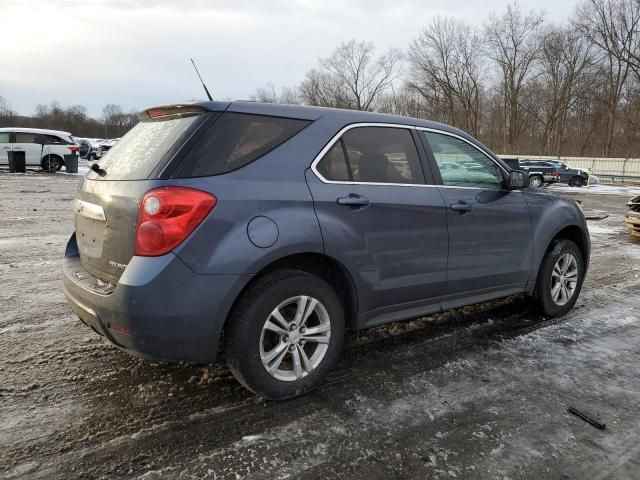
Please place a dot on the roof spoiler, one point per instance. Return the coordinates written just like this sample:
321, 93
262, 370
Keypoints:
177, 110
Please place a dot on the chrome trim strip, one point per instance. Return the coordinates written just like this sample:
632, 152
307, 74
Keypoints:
337, 136
89, 210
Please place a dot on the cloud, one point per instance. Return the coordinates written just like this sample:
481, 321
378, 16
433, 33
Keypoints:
136, 53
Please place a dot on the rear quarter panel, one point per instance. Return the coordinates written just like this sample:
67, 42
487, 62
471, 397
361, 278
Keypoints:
273, 187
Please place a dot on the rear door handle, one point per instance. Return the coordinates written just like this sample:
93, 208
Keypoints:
461, 207
353, 200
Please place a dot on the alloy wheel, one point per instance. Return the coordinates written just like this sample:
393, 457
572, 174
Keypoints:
295, 338
564, 279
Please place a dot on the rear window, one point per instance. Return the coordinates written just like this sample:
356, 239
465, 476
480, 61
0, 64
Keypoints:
235, 140
137, 153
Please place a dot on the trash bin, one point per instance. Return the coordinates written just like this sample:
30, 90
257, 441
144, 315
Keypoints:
71, 163
17, 162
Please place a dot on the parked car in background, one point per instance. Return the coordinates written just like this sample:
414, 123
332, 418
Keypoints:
632, 218
43, 148
264, 232
540, 173
85, 147
104, 146
575, 177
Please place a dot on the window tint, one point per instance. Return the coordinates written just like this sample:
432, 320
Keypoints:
53, 140
383, 155
333, 165
26, 138
463, 165
4, 137
235, 140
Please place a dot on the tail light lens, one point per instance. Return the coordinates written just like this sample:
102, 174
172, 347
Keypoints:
167, 216
555, 173
74, 148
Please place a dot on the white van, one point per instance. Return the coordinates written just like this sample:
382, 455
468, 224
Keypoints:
43, 148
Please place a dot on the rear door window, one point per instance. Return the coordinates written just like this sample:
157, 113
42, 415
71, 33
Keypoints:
374, 155
235, 140
138, 153
334, 164
22, 137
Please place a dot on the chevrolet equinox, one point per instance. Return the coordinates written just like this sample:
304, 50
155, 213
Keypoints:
260, 233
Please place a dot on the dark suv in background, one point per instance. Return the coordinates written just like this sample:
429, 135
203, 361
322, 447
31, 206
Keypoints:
259, 233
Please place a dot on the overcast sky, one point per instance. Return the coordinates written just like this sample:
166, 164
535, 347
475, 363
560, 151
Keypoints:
136, 53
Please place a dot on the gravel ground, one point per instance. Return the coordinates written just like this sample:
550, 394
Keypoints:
480, 392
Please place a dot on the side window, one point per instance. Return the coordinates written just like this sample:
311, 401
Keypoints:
383, 155
4, 137
53, 140
463, 165
333, 165
235, 140
25, 137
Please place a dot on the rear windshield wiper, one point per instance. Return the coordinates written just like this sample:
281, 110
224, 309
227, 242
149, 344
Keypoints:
100, 171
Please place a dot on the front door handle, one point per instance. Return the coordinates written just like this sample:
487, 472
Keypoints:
353, 200
461, 207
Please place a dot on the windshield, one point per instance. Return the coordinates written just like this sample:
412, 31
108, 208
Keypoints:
136, 154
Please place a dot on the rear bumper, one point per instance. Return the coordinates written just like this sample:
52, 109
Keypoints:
160, 309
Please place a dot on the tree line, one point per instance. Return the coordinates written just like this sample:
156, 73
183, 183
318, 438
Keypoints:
113, 123
518, 82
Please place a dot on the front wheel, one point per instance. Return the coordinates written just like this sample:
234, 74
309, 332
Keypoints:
285, 334
560, 278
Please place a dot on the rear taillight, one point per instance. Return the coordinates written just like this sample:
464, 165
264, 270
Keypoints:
74, 148
167, 216
554, 173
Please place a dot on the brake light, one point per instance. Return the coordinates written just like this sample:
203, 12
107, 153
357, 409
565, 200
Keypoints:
555, 173
74, 148
167, 216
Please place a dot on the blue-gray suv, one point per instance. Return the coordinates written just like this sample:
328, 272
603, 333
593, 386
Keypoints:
259, 233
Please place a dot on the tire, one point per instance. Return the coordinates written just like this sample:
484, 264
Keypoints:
51, 163
536, 181
250, 347
549, 296
577, 181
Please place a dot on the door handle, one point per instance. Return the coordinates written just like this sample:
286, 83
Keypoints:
353, 200
461, 207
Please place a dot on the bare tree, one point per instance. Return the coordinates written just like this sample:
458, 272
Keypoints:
513, 42
352, 77
604, 22
268, 94
6, 111
566, 61
446, 67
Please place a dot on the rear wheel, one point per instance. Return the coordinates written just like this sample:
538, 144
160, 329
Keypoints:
536, 181
560, 278
51, 163
285, 334
577, 181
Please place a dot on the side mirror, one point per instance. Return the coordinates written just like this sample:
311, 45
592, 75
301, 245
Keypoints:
517, 180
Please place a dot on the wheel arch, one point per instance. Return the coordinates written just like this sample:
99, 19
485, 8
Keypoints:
577, 235
321, 265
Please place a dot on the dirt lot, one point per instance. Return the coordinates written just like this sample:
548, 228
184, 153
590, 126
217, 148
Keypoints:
475, 393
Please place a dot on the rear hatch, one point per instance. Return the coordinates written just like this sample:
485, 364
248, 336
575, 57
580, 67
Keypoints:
106, 208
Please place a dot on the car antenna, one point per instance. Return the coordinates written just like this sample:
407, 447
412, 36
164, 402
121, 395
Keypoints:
201, 81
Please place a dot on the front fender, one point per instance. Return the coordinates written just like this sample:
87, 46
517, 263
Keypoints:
550, 215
